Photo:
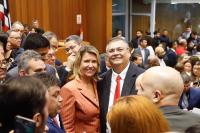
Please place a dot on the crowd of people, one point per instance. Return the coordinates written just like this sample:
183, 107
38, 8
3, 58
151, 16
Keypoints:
150, 85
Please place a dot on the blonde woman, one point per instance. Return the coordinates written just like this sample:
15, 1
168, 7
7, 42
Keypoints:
80, 106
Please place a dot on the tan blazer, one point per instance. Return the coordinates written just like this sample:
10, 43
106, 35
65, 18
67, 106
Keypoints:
80, 111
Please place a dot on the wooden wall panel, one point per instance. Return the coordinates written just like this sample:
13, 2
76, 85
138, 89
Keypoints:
96, 16
140, 23
59, 16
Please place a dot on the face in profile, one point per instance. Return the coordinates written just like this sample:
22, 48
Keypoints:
141, 89
36, 66
143, 43
3, 65
54, 101
72, 48
89, 65
14, 39
51, 57
118, 53
43, 52
41, 127
54, 43
138, 60
196, 70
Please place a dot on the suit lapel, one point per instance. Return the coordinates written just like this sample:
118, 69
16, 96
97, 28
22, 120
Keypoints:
104, 91
128, 81
55, 127
83, 90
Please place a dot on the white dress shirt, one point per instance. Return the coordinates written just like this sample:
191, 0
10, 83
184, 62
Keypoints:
114, 83
162, 63
143, 53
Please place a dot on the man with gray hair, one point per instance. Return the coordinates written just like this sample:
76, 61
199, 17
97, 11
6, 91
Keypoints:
72, 46
52, 39
164, 86
30, 63
118, 81
18, 27
14, 39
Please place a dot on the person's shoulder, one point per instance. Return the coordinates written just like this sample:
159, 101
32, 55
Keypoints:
195, 90
71, 84
135, 68
13, 72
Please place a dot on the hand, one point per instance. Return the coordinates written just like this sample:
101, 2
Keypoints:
70, 61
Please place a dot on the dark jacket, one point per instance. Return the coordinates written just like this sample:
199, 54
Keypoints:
104, 90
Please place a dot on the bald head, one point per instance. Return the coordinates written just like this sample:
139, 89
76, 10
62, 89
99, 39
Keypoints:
138, 81
164, 85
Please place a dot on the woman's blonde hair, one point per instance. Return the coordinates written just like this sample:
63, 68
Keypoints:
85, 49
136, 114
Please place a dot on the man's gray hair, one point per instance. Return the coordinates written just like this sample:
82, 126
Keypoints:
16, 23
49, 35
26, 57
75, 38
115, 39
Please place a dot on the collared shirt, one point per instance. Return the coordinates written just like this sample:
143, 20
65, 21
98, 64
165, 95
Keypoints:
173, 50
143, 53
114, 83
162, 63
57, 119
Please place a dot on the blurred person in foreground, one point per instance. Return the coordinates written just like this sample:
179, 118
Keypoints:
3, 64
80, 106
129, 115
24, 96
164, 86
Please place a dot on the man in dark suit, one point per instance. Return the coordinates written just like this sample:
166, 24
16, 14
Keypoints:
136, 41
190, 97
164, 86
54, 121
143, 51
171, 55
118, 81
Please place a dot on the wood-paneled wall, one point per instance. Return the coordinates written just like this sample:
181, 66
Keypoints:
59, 16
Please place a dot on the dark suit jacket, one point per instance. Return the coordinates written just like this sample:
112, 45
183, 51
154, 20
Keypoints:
63, 75
178, 119
144, 61
135, 43
104, 90
193, 98
53, 128
171, 58
15, 54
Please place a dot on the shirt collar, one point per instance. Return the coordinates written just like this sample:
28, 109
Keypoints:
173, 50
123, 73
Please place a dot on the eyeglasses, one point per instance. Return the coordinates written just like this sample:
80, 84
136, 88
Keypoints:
120, 49
70, 48
16, 38
50, 55
18, 30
